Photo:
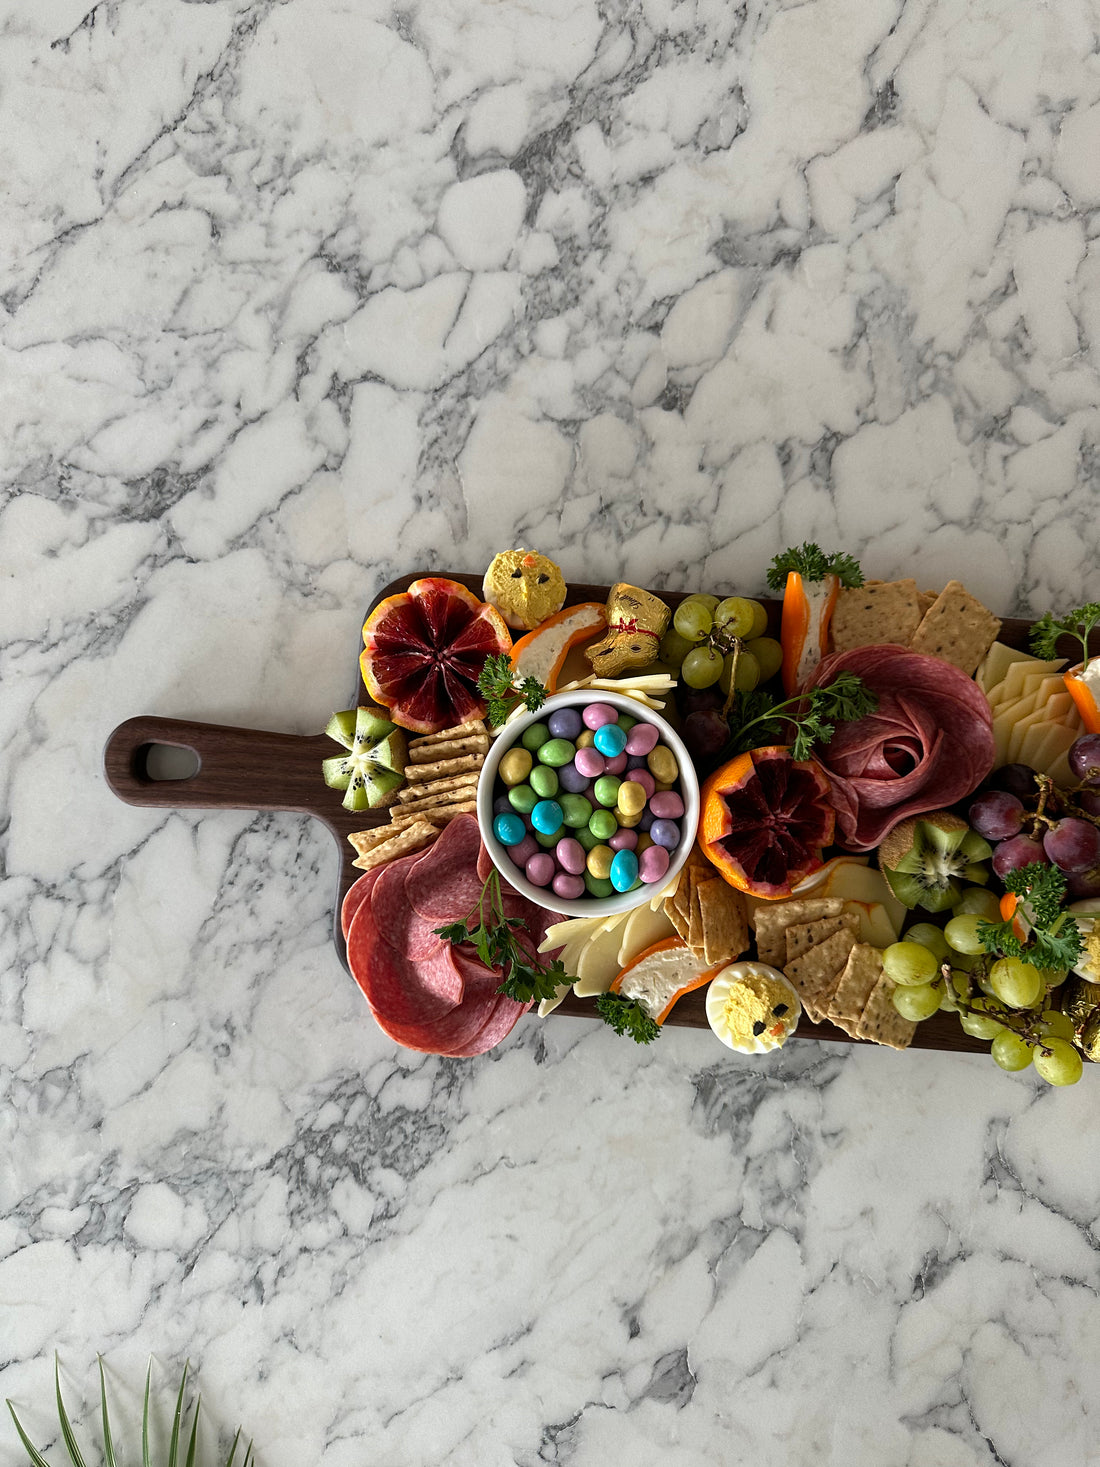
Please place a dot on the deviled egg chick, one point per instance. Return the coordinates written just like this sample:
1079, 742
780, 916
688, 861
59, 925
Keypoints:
752, 1007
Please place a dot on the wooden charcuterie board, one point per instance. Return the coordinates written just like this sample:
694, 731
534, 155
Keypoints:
252, 769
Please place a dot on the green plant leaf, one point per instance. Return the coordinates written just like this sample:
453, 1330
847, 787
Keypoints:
174, 1441
66, 1427
108, 1444
193, 1443
32, 1451
145, 1420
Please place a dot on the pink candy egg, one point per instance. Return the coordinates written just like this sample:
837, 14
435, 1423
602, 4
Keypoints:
590, 762
597, 714
522, 853
567, 886
666, 805
540, 869
624, 840
645, 779
653, 864
571, 856
616, 765
642, 738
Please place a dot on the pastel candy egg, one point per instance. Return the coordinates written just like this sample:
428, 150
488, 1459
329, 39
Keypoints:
546, 839
571, 855
603, 824
544, 781
667, 805
646, 821
546, 817
586, 739
624, 840
586, 838
589, 762
644, 842
624, 870
644, 778
509, 829
616, 765
540, 869
631, 799
606, 790
665, 833
642, 738
610, 739
661, 762
522, 853
534, 736
516, 766
570, 778
502, 805
626, 723
575, 811
598, 886
635, 761
557, 752
600, 860
568, 886
627, 821
653, 864
522, 799
565, 723
597, 714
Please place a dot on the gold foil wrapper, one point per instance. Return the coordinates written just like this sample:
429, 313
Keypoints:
636, 622
1089, 1038
1080, 998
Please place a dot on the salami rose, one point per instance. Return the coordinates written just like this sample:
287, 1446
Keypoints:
928, 743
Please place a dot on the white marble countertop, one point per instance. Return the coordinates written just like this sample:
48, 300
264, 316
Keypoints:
298, 297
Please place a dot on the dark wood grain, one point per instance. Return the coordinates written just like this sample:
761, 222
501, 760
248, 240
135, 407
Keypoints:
253, 769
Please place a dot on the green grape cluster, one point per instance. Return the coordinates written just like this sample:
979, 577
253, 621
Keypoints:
1005, 1000
700, 643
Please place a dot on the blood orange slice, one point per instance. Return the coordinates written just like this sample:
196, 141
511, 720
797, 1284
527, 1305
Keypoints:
424, 651
765, 819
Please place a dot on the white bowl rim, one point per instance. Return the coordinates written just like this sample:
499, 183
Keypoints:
545, 896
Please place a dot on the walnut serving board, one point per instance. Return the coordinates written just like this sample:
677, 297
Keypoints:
255, 769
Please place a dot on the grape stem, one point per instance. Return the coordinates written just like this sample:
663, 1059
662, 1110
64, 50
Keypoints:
737, 648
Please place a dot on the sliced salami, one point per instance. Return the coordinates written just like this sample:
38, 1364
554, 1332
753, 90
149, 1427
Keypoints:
444, 885
404, 929
357, 893
401, 993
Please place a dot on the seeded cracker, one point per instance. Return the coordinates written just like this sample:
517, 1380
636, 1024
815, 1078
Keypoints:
804, 935
412, 838
881, 1023
439, 812
773, 919
870, 615
857, 983
815, 974
441, 768
415, 794
724, 921
369, 840
445, 735
477, 743
957, 628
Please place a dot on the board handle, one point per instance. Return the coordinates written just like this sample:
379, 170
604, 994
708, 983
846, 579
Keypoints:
238, 769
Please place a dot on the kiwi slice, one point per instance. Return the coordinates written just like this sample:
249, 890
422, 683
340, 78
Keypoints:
374, 767
927, 858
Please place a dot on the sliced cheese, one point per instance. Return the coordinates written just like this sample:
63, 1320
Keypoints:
642, 929
597, 965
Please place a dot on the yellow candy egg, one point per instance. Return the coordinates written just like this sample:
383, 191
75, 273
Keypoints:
515, 766
599, 861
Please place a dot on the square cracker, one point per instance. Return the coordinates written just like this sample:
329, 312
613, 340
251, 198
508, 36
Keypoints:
724, 922
957, 628
881, 1023
857, 983
814, 975
804, 935
867, 615
773, 919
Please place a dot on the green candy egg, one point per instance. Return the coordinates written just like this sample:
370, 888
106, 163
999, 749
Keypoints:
522, 798
556, 752
548, 842
544, 781
606, 790
535, 736
586, 837
603, 825
598, 886
626, 723
575, 810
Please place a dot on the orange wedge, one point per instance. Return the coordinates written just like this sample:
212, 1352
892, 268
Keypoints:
651, 966
804, 636
1079, 691
541, 653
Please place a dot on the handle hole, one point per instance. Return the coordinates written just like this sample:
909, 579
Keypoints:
168, 761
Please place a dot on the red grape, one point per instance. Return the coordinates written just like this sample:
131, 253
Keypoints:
1073, 845
996, 814
705, 734
1084, 758
1081, 884
1088, 800
1015, 779
1017, 851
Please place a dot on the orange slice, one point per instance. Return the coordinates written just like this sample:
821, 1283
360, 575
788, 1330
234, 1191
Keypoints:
662, 974
541, 653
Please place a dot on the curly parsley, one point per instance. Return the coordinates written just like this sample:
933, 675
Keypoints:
1047, 631
526, 979
1055, 940
498, 686
812, 564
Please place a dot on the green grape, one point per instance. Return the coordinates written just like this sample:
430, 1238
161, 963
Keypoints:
769, 654
977, 902
917, 1001
930, 937
1010, 1051
734, 616
982, 1025
1053, 976
709, 601
692, 619
910, 964
964, 962
962, 934
1057, 1024
702, 667
748, 672
673, 649
1058, 1062
759, 620
1015, 982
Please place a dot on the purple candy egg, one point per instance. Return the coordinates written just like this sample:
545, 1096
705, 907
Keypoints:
572, 781
616, 764
665, 833
540, 869
523, 852
502, 806
645, 779
565, 723
597, 714
624, 840
635, 761
642, 738
644, 824
667, 805
567, 886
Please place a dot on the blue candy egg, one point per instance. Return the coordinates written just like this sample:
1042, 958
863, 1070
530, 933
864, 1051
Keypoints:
624, 870
546, 817
610, 740
509, 829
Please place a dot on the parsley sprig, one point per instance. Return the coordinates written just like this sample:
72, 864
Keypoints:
846, 698
1077, 623
812, 564
525, 977
497, 684
627, 1016
1055, 939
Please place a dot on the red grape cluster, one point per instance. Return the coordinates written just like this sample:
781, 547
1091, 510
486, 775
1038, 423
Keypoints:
1031, 820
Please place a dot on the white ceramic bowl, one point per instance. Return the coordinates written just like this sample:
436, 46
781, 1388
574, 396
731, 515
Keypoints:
545, 896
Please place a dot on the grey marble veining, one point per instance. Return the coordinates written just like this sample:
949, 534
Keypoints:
297, 297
